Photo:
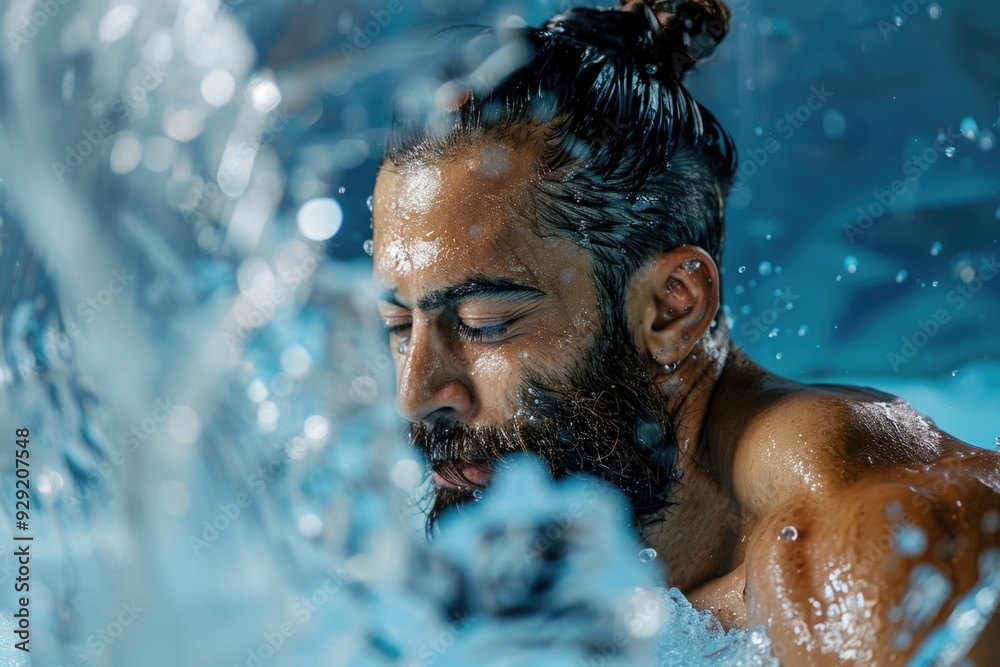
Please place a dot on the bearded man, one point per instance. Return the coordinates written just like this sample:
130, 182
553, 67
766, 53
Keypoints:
548, 236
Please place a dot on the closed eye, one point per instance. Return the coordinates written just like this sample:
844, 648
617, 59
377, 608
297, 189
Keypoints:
389, 330
491, 333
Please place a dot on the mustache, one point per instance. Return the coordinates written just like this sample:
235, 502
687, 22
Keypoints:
606, 418
452, 441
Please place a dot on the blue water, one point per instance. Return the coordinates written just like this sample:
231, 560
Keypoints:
218, 475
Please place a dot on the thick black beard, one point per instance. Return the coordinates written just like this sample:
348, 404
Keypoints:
606, 417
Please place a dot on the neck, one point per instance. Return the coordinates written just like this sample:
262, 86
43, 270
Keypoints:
689, 390
696, 536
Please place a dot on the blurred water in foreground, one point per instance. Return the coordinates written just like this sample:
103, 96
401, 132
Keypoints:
188, 333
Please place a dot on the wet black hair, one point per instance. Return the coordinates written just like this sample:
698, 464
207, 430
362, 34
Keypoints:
631, 164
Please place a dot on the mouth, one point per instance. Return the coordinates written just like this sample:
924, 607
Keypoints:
458, 474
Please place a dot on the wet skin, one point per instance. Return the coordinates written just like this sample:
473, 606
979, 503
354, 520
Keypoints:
786, 516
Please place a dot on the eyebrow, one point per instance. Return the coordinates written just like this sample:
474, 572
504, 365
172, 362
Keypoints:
478, 287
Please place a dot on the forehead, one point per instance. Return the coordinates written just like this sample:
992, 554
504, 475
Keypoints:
437, 224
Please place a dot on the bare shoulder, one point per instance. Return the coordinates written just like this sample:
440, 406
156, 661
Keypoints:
866, 512
863, 576
821, 439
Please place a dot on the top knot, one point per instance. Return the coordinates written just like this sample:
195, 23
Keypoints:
685, 31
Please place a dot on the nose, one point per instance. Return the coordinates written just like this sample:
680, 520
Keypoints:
431, 383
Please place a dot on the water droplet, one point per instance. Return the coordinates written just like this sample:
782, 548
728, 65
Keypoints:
647, 555
954, 374
851, 264
936, 249
671, 367
803, 330
788, 533
911, 541
310, 525
341, 190
898, 20
934, 11
520, 355
643, 203
404, 345
765, 268
834, 124
369, 247
692, 265
969, 128
652, 69
477, 495
393, 206
778, 356
369, 202
950, 151
901, 276
743, 269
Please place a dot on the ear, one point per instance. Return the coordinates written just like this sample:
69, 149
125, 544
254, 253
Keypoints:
672, 301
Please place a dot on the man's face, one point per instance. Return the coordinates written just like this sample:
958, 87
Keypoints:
496, 336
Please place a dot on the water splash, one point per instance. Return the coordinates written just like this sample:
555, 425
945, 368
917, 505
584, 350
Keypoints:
949, 644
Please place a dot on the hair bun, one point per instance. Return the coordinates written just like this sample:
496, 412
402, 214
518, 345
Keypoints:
686, 31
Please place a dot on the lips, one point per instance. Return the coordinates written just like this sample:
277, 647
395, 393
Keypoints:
453, 474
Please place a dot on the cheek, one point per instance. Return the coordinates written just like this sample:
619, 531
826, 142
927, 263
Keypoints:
496, 374
492, 366
580, 317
